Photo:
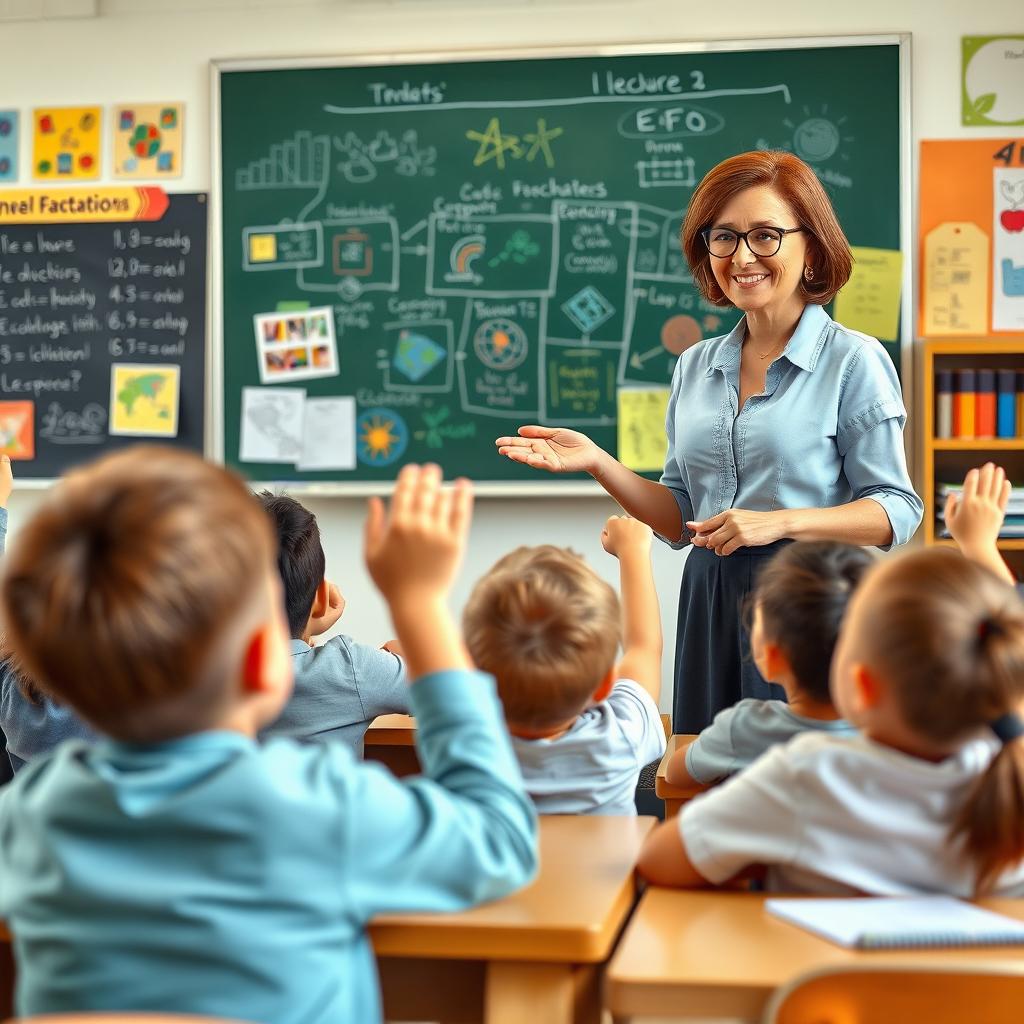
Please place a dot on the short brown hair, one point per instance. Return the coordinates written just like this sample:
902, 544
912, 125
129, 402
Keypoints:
798, 185
948, 636
125, 591
547, 627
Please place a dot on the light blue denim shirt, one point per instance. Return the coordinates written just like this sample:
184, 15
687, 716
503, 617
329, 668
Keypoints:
827, 430
212, 875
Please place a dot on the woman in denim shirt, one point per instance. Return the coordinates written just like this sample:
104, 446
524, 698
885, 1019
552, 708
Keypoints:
788, 428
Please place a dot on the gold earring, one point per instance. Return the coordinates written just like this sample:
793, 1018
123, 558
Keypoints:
808, 274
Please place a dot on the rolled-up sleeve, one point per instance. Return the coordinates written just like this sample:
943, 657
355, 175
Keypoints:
672, 476
870, 439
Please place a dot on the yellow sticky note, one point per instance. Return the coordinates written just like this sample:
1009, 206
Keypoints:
144, 400
262, 248
66, 143
870, 300
642, 441
954, 292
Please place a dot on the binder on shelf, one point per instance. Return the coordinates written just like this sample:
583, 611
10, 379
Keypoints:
1020, 403
985, 405
944, 402
964, 404
1006, 403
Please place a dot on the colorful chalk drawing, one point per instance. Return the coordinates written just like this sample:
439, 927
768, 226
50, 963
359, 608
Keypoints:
381, 437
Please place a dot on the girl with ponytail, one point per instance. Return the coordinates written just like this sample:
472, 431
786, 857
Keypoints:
929, 797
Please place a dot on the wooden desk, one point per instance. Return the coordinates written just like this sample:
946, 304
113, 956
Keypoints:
720, 954
391, 740
534, 956
673, 796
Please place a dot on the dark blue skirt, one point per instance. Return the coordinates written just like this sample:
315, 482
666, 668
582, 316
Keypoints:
713, 668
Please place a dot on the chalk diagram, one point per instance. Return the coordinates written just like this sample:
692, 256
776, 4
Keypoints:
544, 312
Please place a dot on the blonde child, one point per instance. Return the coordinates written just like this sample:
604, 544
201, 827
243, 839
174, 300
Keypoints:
548, 628
797, 607
929, 798
179, 866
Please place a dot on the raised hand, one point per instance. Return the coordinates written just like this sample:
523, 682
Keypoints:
415, 547
552, 448
622, 533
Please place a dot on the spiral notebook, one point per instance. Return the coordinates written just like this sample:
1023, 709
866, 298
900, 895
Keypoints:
899, 922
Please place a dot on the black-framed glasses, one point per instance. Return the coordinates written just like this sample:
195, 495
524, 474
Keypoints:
763, 241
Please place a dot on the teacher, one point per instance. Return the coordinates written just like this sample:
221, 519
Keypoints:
790, 427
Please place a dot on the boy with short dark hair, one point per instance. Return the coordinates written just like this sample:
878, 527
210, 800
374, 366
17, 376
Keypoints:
340, 686
179, 866
548, 628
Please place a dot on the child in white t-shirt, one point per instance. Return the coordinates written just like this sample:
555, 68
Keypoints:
797, 607
928, 798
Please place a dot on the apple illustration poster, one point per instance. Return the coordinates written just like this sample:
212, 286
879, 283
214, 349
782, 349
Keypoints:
971, 237
1008, 250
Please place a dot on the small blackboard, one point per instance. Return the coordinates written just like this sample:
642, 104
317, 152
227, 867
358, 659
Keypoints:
102, 337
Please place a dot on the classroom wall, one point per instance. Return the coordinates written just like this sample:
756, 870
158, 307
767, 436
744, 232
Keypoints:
152, 50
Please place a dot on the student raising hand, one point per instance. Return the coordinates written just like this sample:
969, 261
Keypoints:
413, 552
975, 516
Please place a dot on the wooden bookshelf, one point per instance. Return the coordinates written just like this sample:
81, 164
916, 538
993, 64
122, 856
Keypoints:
946, 460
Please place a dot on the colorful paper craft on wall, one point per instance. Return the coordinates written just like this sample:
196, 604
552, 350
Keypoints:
66, 143
992, 89
144, 400
8, 145
148, 139
17, 430
972, 237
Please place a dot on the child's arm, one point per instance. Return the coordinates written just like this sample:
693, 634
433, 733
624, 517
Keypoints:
413, 553
975, 517
678, 774
465, 831
629, 540
664, 860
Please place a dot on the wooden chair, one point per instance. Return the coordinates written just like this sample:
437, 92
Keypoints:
990, 993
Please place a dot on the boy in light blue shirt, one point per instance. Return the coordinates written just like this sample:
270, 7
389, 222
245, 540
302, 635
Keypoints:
548, 628
341, 686
179, 866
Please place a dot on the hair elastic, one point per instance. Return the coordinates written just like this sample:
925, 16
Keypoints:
1007, 727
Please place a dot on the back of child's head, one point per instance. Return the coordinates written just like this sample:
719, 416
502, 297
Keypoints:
300, 556
948, 638
802, 594
131, 592
547, 627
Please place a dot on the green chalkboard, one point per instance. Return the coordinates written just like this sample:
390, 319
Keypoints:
418, 257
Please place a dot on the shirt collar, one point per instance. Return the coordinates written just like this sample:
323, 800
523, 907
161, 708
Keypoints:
803, 348
196, 742
299, 646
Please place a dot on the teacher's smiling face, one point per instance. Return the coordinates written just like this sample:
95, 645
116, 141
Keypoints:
766, 269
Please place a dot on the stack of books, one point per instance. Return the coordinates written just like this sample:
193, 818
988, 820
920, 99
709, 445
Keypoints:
1013, 524
979, 403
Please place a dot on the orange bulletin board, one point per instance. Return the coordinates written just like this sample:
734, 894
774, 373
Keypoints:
971, 238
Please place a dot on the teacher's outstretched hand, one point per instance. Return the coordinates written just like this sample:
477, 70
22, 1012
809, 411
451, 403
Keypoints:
552, 448
568, 451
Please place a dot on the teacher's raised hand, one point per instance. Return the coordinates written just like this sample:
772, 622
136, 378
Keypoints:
554, 449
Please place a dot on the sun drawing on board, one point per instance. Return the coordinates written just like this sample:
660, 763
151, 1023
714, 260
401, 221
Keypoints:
383, 437
818, 137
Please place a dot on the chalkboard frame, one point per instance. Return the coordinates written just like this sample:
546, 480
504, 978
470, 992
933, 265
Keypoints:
545, 485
